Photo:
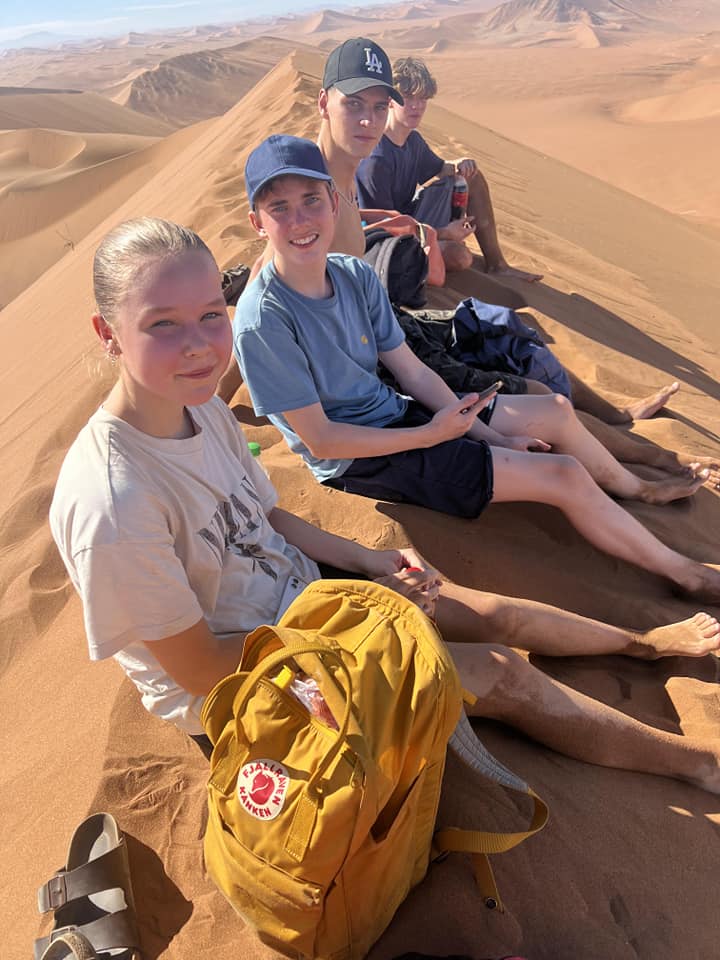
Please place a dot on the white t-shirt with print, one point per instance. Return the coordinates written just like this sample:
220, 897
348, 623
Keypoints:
158, 533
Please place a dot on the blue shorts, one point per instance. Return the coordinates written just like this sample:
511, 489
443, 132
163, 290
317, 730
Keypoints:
433, 204
454, 477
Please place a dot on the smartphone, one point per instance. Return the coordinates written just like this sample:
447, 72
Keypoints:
488, 391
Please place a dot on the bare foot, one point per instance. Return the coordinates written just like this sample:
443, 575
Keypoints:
644, 409
702, 582
513, 273
682, 463
711, 471
687, 464
672, 488
695, 637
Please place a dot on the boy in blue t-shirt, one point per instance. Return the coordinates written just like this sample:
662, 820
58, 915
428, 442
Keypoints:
308, 334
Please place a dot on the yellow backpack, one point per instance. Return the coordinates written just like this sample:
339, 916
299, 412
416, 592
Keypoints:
321, 820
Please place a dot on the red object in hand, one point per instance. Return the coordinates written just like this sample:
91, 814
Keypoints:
414, 570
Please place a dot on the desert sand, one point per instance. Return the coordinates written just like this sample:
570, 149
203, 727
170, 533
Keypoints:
602, 157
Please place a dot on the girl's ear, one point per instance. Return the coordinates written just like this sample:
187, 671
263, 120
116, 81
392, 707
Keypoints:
256, 224
107, 338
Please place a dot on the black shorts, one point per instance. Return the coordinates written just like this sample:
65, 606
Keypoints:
454, 477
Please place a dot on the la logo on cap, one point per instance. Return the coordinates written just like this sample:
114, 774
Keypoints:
372, 61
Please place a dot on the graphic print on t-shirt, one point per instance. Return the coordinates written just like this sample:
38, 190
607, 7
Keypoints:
233, 521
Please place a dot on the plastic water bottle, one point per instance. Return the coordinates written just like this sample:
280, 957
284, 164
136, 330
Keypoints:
458, 204
255, 449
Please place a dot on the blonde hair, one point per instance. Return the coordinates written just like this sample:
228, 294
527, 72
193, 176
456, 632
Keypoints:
413, 79
127, 248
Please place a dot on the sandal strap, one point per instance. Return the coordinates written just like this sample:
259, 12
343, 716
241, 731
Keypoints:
68, 944
105, 872
116, 931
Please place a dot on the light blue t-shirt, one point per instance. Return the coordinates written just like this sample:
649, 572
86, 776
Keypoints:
294, 351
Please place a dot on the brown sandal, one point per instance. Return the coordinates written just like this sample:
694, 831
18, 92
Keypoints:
92, 895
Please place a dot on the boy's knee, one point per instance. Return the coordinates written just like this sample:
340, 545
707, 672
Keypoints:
569, 472
503, 670
487, 669
562, 405
536, 388
457, 257
478, 182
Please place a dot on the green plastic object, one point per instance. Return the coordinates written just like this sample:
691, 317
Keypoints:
255, 448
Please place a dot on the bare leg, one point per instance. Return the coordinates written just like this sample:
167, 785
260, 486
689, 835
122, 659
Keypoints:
563, 482
472, 616
480, 207
456, 255
587, 399
628, 449
552, 419
513, 691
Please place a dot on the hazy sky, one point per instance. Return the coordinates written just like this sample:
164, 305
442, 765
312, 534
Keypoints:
94, 18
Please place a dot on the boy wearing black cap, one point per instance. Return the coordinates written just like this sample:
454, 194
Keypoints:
353, 104
308, 335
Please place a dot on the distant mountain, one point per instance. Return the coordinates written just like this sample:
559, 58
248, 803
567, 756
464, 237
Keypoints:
41, 38
599, 13
195, 86
325, 20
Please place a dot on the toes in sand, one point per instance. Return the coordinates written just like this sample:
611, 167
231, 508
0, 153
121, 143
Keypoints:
649, 406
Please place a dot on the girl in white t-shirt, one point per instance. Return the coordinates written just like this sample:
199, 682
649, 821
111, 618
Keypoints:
173, 538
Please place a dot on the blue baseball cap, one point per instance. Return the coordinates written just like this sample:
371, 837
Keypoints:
280, 155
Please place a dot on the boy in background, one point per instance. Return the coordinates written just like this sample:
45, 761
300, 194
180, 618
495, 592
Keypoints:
389, 179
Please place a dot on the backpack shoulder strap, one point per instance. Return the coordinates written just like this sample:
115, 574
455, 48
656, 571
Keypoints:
479, 843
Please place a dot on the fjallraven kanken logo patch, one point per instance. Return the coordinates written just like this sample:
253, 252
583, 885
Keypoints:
261, 788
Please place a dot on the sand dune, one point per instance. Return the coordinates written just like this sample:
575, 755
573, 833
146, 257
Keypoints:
195, 86
627, 301
521, 15
331, 20
696, 103
76, 111
553, 102
54, 188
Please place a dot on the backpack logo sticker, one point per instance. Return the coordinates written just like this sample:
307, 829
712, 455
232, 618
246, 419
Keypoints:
261, 788
372, 61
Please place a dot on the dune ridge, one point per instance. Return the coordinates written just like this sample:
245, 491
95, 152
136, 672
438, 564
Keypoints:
629, 302
195, 86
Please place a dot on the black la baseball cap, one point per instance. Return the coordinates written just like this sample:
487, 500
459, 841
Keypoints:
358, 64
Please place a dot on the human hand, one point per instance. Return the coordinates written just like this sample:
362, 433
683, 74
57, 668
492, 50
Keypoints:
456, 418
527, 444
466, 167
379, 563
459, 230
420, 586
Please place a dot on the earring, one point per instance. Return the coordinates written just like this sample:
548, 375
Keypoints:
110, 350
